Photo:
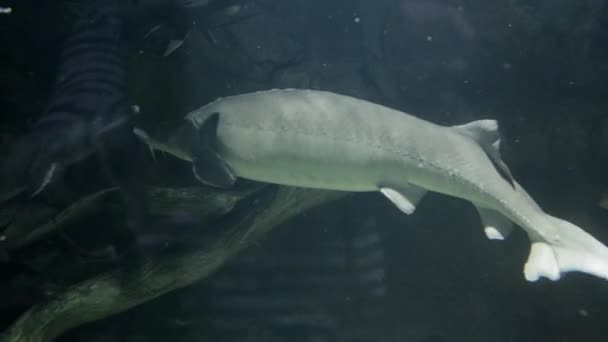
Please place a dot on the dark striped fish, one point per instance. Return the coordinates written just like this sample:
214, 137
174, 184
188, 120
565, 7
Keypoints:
88, 102
88, 111
300, 285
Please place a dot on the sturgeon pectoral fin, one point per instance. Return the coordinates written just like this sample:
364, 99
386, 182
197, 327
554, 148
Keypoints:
207, 165
495, 225
405, 198
173, 45
45, 179
211, 170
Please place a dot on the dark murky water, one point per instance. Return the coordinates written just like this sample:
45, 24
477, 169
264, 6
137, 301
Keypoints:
77, 76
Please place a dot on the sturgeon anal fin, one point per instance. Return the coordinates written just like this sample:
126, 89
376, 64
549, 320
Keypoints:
495, 225
486, 133
207, 165
405, 198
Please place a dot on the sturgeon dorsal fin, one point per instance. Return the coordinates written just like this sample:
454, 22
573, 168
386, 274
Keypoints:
486, 133
480, 130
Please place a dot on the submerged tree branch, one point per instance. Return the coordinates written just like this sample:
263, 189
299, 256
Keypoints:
20, 234
200, 201
110, 293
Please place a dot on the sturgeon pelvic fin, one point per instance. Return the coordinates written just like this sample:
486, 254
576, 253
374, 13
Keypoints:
495, 225
406, 198
207, 165
486, 133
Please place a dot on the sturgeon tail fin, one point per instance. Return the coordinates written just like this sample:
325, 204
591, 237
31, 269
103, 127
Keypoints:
574, 250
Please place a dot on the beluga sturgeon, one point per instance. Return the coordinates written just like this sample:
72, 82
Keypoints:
324, 140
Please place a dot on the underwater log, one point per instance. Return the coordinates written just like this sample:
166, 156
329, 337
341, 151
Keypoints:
114, 292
